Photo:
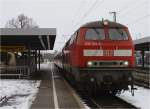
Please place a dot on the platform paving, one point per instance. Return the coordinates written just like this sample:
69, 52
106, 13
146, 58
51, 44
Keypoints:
46, 99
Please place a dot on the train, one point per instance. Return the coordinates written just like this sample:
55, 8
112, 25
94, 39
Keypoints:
99, 57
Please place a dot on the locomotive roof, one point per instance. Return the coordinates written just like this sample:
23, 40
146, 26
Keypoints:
100, 24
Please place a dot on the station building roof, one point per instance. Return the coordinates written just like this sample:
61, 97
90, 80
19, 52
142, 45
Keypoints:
30, 38
142, 44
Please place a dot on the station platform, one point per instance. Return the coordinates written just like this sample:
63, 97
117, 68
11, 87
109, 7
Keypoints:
54, 92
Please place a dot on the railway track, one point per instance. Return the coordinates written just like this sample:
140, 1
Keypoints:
100, 101
112, 102
105, 102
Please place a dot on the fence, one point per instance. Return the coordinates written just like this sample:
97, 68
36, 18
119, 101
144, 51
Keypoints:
142, 77
20, 71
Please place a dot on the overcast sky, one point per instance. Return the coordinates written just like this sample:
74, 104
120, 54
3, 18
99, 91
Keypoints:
68, 15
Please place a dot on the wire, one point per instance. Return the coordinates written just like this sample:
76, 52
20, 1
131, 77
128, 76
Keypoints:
89, 10
78, 9
126, 7
125, 15
137, 20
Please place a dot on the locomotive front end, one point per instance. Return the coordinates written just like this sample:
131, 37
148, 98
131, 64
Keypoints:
107, 57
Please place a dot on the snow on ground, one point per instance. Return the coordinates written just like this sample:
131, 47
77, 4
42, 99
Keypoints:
141, 98
45, 66
19, 93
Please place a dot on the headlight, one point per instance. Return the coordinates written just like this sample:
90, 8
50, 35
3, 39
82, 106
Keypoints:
89, 63
126, 63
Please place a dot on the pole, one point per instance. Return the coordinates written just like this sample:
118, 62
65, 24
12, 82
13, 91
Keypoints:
114, 15
29, 62
143, 58
36, 59
29, 57
39, 59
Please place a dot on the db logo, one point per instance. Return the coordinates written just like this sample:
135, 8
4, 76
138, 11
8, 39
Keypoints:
108, 53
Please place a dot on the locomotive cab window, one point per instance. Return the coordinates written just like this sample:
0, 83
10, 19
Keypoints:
118, 34
95, 34
73, 38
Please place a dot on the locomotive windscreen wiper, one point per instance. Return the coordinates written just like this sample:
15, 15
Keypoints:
120, 31
96, 31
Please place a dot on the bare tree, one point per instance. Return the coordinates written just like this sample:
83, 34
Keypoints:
21, 21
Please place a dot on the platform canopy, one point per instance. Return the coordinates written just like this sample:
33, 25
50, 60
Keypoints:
33, 38
142, 44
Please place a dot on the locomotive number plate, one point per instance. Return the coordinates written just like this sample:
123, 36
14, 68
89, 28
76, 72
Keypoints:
108, 53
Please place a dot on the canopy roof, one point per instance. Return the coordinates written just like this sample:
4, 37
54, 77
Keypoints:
33, 38
142, 44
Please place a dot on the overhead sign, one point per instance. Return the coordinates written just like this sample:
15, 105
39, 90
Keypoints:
12, 48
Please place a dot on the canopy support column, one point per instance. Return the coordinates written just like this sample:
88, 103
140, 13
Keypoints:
36, 59
39, 59
142, 58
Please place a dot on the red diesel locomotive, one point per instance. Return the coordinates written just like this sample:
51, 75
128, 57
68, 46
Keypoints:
99, 57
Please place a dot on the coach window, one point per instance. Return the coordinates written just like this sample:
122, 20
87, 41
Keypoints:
95, 34
118, 34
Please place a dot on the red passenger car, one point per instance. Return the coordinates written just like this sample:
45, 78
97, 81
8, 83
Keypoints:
100, 57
